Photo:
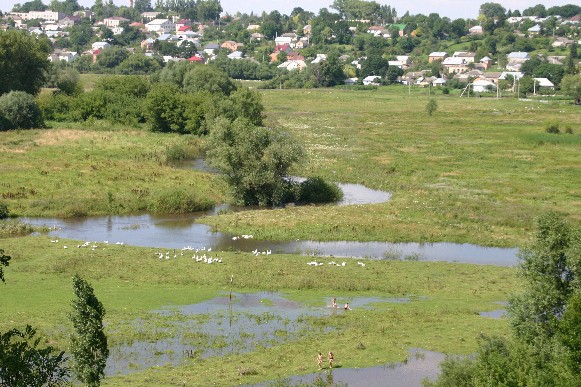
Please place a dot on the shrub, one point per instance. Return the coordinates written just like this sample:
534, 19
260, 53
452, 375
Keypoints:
56, 106
4, 211
20, 111
317, 190
178, 202
552, 127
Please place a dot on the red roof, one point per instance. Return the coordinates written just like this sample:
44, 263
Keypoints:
196, 58
184, 28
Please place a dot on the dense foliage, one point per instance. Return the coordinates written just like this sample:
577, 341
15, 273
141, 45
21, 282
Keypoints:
545, 347
19, 110
23, 61
88, 343
255, 160
24, 363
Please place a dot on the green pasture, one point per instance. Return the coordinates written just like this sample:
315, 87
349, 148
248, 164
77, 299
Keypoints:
479, 170
84, 170
131, 282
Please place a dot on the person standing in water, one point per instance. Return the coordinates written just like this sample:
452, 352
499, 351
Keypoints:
334, 302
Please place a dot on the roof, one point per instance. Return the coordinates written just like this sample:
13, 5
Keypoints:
544, 82
454, 61
439, 53
195, 58
518, 55
158, 22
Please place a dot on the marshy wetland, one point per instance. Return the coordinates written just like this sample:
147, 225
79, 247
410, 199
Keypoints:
476, 173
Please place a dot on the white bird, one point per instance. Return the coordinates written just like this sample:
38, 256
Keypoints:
65, 247
268, 252
54, 241
255, 252
234, 238
343, 264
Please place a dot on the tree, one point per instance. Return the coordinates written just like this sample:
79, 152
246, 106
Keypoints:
207, 78
571, 86
571, 59
112, 57
4, 261
549, 268
88, 342
254, 160
20, 111
23, 61
23, 363
492, 10
431, 106
208, 10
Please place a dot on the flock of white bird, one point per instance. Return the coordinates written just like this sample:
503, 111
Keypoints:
92, 245
342, 264
202, 254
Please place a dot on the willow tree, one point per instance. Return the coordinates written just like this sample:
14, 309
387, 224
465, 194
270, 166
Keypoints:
254, 159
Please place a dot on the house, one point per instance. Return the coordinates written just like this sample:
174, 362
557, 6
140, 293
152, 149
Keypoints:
114, 21
379, 31
514, 74
196, 59
534, 30
236, 55
483, 85
476, 30
556, 59
562, 42
320, 58
253, 27
100, 45
160, 26
149, 16
469, 57
425, 81
67, 56
439, 82
372, 80
486, 62
518, 56
183, 25
147, 44
42, 15
291, 65
301, 43
493, 76
211, 47
467, 76
283, 40
437, 56
69, 21
455, 65
256, 36
543, 85
232, 45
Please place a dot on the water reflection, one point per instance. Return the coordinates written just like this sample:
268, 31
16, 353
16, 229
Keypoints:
420, 364
223, 326
178, 231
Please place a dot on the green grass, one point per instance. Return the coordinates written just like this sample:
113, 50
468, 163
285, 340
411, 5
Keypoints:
79, 171
131, 282
478, 170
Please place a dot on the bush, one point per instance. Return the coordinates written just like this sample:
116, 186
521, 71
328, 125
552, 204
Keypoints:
4, 211
20, 111
178, 202
552, 127
56, 106
317, 190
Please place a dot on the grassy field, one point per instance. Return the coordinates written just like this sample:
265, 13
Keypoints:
478, 170
132, 282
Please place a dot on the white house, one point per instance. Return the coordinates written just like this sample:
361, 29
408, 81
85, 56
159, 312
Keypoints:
476, 30
291, 65
483, 85
160, 26
114, 21
320, 58
100, 45
280, 40
372, 80
518, 56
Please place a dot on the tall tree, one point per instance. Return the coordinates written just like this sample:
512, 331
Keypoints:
88, 342
23, 61
492, 10
208, 10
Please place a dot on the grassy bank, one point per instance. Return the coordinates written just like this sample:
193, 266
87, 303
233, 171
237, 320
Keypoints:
479, 169
442, 314
91, 170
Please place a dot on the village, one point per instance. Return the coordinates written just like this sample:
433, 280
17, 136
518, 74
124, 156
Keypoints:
490, 53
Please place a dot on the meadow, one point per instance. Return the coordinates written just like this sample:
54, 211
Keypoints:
478, 170
442, 313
